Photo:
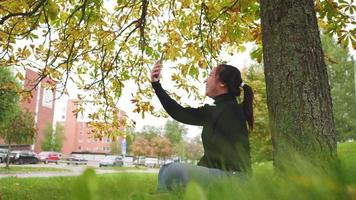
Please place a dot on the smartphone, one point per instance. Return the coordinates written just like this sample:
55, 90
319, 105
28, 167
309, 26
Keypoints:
162, 57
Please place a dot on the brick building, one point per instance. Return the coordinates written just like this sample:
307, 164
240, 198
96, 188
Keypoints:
77, 137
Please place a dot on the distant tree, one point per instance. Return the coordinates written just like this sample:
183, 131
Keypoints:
194, 149
341, 66
141, 146
174, 131
179, 149
9, 99
53, 139
150, 131
20, 130
149, 142
116, 148
260, 137
162, 147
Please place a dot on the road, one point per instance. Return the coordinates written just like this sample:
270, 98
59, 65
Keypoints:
74, 170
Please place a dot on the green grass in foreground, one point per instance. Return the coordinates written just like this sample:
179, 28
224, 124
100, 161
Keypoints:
313, 184
117, 168
21, 169
87, 186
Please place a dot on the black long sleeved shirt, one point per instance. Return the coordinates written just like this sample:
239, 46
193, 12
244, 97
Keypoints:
224, 135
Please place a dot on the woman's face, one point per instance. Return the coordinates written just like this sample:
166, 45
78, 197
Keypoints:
212, 88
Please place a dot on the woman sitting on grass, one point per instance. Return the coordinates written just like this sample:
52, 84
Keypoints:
225, 132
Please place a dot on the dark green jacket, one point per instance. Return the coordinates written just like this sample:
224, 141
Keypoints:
225, 133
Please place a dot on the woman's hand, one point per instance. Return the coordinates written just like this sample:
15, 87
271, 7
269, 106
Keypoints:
156, 72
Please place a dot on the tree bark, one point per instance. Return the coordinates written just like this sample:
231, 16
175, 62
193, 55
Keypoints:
298, 91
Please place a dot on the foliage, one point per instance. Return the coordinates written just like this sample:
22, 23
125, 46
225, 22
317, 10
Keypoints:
263, 185
115, 148
141, 146
100, 46
53, 139
158, 146
9, 98
162, 147
194, 149
150, 131
20, 130
260, 137
174, 132
341, 70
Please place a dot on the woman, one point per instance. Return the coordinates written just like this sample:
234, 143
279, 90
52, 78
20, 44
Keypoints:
225, 132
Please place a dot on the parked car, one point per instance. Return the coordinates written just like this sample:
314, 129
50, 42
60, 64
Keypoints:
146, 161
23, 157
151, 162
139, 161
3, 155
48, 157
74, 161
111, 161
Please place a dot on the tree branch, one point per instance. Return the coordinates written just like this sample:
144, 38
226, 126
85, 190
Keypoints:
25, 14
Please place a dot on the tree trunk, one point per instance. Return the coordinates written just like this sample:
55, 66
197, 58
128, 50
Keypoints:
298, 91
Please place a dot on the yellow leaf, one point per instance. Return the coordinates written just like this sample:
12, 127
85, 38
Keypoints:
20, 76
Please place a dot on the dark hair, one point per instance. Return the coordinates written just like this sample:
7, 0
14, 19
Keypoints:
231, 77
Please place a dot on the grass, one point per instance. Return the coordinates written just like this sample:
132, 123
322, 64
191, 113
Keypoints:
20, 169
87, 186
312, 184
117, 168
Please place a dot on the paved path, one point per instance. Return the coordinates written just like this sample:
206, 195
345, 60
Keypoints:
74, 171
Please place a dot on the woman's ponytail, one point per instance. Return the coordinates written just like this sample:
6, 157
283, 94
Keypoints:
231, 76
247, 105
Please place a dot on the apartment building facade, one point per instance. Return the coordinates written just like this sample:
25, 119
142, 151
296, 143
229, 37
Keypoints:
77, 134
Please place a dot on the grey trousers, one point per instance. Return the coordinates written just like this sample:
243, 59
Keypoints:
174, 175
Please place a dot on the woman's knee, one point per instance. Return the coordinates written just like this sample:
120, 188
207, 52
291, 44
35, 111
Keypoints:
173, 175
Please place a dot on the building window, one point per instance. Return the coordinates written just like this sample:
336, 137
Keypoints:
47, 99
81, 132
80, 148
106, 148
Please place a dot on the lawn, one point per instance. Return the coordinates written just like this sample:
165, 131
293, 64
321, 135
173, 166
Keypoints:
20, 169
117, 168
263, 185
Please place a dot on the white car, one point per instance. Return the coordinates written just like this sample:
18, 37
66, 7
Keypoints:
111, 161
